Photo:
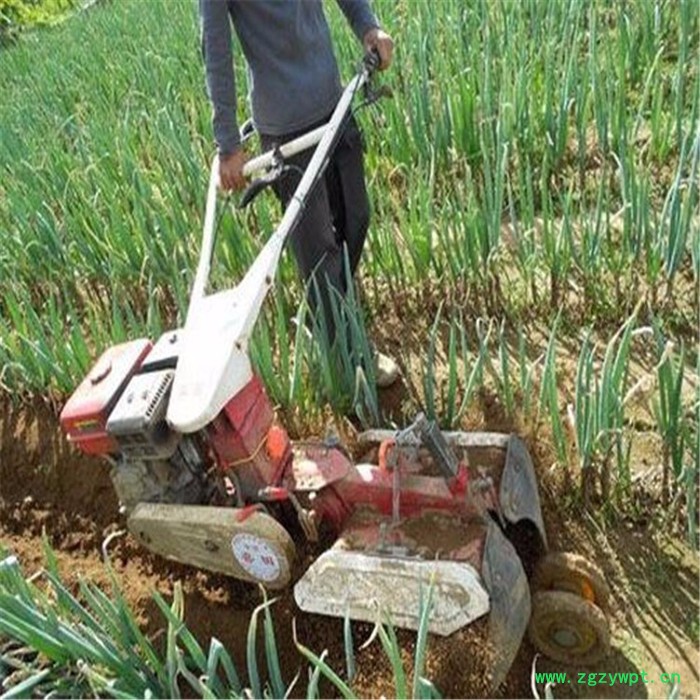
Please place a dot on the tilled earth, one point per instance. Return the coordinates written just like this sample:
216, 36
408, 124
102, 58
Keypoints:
45, 486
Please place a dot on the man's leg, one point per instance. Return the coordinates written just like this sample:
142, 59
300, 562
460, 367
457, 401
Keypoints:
313, 242
345, 181
347, 193
336, 218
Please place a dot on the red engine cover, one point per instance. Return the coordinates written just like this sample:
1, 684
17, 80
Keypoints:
244, 439
84, 417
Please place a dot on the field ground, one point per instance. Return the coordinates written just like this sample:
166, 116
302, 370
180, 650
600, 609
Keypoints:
655, 579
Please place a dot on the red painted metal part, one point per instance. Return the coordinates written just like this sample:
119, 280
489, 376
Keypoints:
315, 467
373, 486
245, 440
244, 513
236, 433
84, 417
384, 448
273, 493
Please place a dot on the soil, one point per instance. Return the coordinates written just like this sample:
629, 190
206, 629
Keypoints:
47, 487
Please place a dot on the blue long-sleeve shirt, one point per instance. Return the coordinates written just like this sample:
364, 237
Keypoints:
293, 75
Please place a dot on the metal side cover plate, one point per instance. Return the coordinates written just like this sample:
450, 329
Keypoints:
369, 586
256, 548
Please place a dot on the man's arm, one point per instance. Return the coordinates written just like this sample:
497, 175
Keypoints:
221, 83
366, 28
359, 15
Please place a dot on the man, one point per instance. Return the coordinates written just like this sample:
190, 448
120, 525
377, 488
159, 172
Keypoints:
294, 87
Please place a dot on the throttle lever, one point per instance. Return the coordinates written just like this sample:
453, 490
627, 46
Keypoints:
255, 188
373, 93
258, 185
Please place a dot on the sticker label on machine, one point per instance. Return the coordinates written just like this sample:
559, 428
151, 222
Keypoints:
256, 556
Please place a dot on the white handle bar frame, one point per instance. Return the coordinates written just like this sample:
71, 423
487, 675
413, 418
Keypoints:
286, 150
264, 162
213, 364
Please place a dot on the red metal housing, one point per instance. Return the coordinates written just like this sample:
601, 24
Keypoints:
244, 439
84, 417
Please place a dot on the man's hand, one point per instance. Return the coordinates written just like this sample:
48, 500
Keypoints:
231, 170
377, 40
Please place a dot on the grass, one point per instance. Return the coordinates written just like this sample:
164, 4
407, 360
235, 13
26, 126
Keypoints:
534, 184
88, 644
537, 165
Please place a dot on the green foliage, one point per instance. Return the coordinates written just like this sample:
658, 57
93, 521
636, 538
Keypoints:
103, 156
554, 177
447, 401
16, 15
599, 417
90, 645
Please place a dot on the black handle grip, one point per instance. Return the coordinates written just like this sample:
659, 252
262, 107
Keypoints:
253, 190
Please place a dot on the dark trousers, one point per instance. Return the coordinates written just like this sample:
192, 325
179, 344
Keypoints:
335, 220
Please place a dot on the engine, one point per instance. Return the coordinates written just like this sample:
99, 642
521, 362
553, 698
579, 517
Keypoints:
119, 412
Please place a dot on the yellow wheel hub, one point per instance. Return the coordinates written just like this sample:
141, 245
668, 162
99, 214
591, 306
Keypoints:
568, 628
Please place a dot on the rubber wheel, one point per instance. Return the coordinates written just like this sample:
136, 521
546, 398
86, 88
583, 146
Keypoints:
564, 571
568, 628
